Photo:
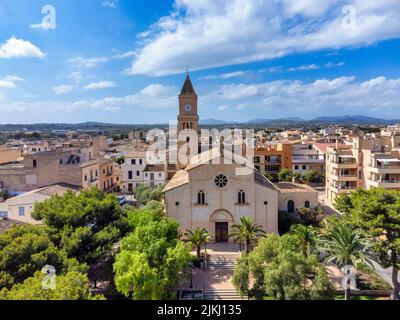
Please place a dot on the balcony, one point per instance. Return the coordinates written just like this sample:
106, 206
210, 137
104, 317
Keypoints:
344, 177
387, 184
386, 168
342, 189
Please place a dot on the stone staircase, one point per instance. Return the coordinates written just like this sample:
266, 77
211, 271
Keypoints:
222, 294
223, 264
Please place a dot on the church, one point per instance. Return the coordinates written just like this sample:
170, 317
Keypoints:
210, 192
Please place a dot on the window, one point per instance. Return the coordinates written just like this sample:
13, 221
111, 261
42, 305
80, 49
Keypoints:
85, 177
221, 181
61, 161
133, 161
304, 167
159, 174
241, 197
201, 197
34, 163
307, 204
140, 161
130, 175
21, 211
296, 167
138, 173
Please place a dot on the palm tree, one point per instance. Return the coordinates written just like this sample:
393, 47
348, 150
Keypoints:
307, 236
197, 238
345, 246
246, 231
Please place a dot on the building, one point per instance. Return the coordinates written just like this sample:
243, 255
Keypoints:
98, 173
8, 155
272, 158
306, 158
20, 208
132, 171
214, 196
154, 175
342, 167
217, 187
293, 196
366, 162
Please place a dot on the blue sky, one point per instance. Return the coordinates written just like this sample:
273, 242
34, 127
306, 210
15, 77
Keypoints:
124, 61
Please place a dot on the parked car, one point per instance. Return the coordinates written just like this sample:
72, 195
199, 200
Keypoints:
121, 200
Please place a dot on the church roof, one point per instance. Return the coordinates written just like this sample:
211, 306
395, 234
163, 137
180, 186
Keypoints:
180, 178
188, 88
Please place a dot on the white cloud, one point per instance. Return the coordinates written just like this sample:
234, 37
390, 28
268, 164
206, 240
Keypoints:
304, 67
76, 76
205, 34
100, 85
110, 3
334, 65
9, 81
87, 63
223, 108
18, 48
62, 89
125, 55
224, 76
154, 96
343, 95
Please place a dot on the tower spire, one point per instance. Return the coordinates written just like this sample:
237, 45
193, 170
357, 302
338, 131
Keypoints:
188, 88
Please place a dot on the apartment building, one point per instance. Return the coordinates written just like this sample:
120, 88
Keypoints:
154, 175
132, 170
366, 162
342, 171
100, 173
272, 158
305, 157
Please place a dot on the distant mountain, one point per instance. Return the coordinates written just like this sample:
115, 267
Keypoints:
259, 121
357, 119
207, 122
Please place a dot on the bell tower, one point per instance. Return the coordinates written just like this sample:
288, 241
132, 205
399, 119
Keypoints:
188, 124
188, 117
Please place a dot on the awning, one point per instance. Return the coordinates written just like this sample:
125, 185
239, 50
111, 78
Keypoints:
345, 156
388, 160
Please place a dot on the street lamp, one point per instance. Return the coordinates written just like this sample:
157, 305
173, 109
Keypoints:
323, 205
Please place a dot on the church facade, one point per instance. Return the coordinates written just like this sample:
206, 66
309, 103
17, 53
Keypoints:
209, 192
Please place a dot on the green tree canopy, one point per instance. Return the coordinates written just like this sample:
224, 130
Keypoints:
285, 175
25, 249
84, 225
376, 213
144, 193
70, 286
197, 237
280, 269
152, 258
246, 231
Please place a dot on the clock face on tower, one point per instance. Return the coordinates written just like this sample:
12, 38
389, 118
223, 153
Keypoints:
188, 107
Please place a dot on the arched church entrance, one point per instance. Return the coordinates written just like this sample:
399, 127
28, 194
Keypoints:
220, 222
